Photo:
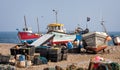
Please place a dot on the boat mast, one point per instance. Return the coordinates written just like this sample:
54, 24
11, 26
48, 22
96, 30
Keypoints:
102, 23
38, 25
56, 15
25, 23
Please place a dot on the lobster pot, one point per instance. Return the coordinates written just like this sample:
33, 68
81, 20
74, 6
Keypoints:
40, 48
55, 57
14, 51
54, 50
74, 50
7, 67
43, 50
64, 56
95, 39
22, 58
27, 51
21, 49
104, 66
4, 59
64, 51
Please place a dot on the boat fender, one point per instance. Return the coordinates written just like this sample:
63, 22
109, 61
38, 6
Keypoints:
108, 38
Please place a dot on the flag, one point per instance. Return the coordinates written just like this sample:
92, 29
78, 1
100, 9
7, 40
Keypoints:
88, 19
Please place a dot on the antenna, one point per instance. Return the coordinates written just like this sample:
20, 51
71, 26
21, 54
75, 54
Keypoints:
102, 23
56, 15
38, 26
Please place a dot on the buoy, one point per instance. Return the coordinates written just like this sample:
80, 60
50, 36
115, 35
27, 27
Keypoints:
108, 38
17, 47
22, 58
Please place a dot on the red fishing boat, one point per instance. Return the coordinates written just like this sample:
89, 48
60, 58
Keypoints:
27, 35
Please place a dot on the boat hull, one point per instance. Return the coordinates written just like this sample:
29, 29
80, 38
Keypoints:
116, 40
27, 37
95, 41
62, 38
95, 50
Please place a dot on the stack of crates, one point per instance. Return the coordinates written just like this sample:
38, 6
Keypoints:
16, 49
54, 54
23, 50
4, 59
43, 50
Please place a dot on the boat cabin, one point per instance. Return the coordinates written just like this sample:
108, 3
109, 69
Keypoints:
56, 27
27, 30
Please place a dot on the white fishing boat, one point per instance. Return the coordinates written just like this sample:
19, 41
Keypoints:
60, 34
116, 40
95, 41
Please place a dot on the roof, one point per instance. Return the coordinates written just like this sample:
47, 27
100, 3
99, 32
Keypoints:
56, 24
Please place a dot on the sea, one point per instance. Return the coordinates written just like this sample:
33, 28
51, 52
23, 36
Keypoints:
11, 37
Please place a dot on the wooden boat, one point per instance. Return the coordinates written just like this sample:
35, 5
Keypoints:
27, 35
95, 41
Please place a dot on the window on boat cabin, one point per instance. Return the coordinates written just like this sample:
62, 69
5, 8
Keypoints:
25, 29
59, 28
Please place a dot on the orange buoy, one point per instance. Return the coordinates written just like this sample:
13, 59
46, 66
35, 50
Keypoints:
108, 38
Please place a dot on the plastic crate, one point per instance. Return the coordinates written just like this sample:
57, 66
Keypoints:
54, 50
55, 57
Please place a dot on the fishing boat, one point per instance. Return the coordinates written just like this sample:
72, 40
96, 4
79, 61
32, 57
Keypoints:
116, 40
95, 41
27, 35
60, 34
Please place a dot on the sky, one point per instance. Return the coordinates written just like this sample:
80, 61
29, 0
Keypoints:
70, 13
